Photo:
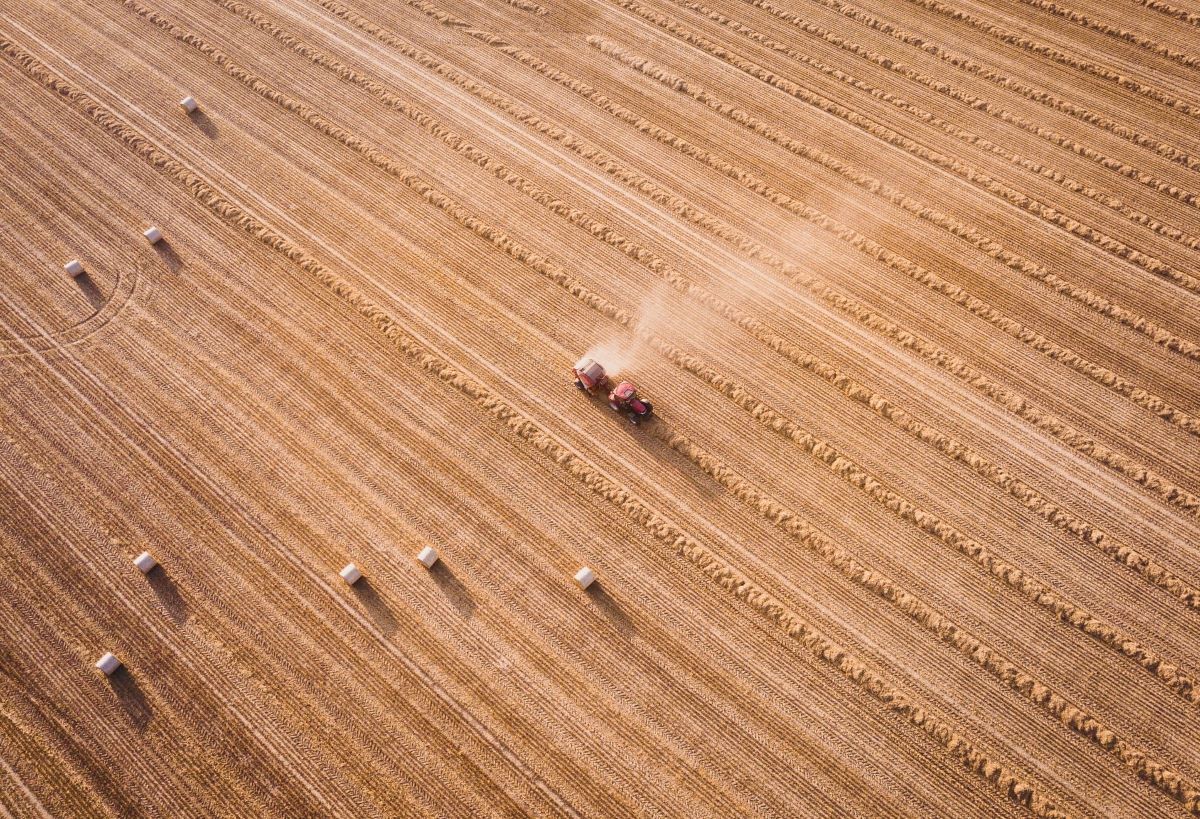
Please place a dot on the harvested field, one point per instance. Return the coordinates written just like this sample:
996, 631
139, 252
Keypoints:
914, 289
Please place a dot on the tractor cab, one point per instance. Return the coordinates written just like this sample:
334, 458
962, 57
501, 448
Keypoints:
624, 398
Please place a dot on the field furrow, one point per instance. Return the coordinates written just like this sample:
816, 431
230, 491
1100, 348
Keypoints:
911, 530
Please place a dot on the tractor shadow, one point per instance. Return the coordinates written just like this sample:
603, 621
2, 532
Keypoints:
652, 437
90, 290
168, 594
168, 255
133, 701
612, 610
377, 607
206, 125
454, 590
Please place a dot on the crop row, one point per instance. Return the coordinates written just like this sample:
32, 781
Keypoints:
993, 109
1041, 210
957, 295
1191, 18
1003, 669
1116, 32
1038, 95
902, 337
1032, 45
954, 227
495, 406
824, 452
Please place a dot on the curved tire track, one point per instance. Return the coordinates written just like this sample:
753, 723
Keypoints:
1032, 589
709, 563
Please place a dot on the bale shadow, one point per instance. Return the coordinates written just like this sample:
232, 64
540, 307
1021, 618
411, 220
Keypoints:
133, 701
204, 123
87, 286
168, 595
168, 255
611, 609
453, 588
377, 607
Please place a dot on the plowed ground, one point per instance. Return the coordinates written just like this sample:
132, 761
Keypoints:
913, 287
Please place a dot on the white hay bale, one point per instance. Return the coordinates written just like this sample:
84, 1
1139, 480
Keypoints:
585, 577
351, 574
145, 562
153, 235
427, 557
108, 664
189, 104
74, 267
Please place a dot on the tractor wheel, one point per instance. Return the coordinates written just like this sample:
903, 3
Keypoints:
649, 409
579, 385
616, 407
634, 418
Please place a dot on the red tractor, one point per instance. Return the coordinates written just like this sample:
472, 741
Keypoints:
591, 378
624, 398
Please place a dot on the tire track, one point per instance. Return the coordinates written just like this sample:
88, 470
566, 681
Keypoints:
141, 146
281, 601
1009, 400
1038, 95
800, 530
1066, 58
977, 103
966, 233
1101, 375
31, 800
127, 277
1034, 590
123, 289
367, 430
708, 562
285, 750
1109, 244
